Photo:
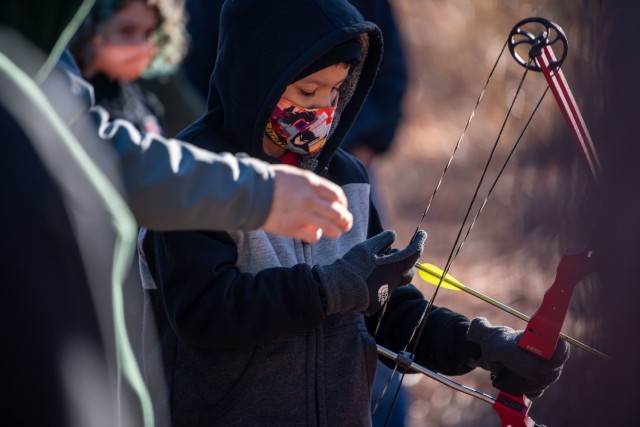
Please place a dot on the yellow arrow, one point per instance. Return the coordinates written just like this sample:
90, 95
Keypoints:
433, 275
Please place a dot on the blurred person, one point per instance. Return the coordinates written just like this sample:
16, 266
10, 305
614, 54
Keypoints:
118, 43
373, 131
69, 229
122, 40
203, 26
255, 329
67, 235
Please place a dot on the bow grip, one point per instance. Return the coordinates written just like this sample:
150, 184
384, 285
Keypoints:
543, 330
513, 410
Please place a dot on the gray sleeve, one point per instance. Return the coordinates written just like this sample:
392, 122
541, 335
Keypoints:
173, 185
168, 184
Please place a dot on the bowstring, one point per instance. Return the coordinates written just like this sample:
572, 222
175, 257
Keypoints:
424, 213
504, 165
458, 243
459, 142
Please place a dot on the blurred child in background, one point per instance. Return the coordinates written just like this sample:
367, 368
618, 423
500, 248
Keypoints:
123, 40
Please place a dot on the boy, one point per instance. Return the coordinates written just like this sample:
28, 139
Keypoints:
257, 329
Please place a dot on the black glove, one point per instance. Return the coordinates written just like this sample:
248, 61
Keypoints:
368, 273
514, 370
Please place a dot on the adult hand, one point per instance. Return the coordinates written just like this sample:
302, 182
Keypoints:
306, 206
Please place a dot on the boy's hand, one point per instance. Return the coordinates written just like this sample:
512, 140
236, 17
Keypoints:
514, 370
368, 273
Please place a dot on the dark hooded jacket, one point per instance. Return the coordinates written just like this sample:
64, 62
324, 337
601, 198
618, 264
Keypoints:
243, 335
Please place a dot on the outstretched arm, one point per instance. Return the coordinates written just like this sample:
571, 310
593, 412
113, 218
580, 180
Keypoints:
306, 206
173, 185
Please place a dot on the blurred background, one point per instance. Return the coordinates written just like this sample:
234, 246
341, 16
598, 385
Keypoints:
541, 205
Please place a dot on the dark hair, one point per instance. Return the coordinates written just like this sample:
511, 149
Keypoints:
348, 52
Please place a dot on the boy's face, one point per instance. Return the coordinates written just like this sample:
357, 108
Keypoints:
317, 90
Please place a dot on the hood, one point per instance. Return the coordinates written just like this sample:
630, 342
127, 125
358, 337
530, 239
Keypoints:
264, 45
48, 24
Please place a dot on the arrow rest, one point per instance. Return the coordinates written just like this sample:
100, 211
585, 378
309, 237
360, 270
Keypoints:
550, 34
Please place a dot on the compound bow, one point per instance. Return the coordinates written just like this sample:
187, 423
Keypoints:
543, 329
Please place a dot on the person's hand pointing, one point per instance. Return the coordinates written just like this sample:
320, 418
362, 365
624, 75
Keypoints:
306, 206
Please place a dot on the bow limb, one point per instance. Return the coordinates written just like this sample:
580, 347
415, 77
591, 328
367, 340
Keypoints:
570, 111
543, 330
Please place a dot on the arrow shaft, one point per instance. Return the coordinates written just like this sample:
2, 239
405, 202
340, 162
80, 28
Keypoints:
519, 315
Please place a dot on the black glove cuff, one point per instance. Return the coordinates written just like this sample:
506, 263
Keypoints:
344, 290
473, 354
